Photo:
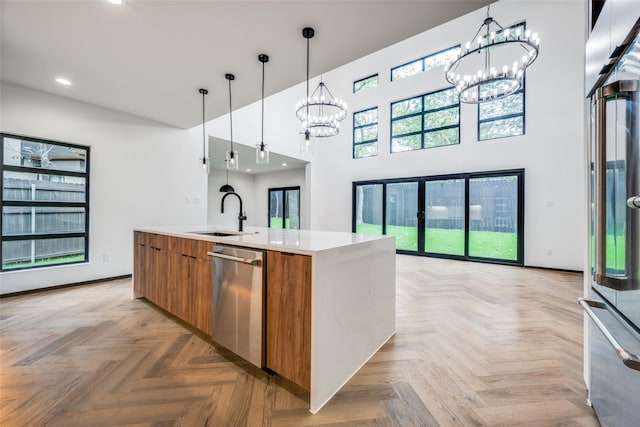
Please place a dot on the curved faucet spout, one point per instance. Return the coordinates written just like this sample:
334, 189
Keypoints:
241, 216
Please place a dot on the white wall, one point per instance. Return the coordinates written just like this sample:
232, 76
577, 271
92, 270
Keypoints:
244, 185
290, 178
146, 173
551, 152
143, 173
254, 190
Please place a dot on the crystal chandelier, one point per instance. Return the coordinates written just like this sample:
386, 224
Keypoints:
474, 73
320, 113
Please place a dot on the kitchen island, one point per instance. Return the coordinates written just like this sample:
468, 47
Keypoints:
330, 295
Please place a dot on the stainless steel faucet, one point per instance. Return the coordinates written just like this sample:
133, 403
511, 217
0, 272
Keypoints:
242, 216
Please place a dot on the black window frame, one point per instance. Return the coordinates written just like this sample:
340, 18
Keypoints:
285, 205
27, 203
506, 116
362, 80
522, 91
467, 176
422, 132
368, 141
423, 61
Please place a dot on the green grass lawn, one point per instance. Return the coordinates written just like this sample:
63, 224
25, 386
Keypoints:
485, 244
43, 262
615, 250
276, 222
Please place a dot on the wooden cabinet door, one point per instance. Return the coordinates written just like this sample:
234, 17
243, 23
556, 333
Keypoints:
178, 296
175, 274
202, 293
139, 270
288, 293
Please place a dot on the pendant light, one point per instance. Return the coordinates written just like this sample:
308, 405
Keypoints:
262, 153
206, 165
232, 155
320, 113
472, 72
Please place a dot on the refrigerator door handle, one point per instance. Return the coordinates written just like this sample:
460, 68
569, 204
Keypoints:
600, 184
630, 360
633, 202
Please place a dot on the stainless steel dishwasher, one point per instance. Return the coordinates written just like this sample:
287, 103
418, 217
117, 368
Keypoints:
238, 303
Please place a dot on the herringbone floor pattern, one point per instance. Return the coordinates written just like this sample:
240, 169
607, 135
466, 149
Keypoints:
477, 345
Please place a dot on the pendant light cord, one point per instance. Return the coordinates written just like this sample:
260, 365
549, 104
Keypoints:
307, 83
204, 154
230, 117
262, 126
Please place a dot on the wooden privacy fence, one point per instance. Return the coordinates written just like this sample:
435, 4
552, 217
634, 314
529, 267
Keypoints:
28, 221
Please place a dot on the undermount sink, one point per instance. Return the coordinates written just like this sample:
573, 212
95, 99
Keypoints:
222, 233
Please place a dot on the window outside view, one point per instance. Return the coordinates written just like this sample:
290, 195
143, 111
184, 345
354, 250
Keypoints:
284, 207
493, 217
438, 59
494, 210
44, 203
368, 209
365, 133
427, 121
401, 219
365, 84
444, 216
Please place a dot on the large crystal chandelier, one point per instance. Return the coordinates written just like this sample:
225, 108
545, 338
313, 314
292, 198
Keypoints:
474, 72
320, 113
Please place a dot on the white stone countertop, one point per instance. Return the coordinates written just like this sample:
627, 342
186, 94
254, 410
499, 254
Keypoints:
305, 242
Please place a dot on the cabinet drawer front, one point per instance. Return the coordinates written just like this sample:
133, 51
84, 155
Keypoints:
289, 316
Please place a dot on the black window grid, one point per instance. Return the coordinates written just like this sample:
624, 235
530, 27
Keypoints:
364, 79
422, 60
422, 132
362, 127
37, 203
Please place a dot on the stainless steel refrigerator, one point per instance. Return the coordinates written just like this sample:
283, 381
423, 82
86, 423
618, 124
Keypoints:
613, 300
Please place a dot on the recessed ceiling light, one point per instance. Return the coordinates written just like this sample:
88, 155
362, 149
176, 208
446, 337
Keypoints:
115, 1
63, 81
284, 164
248, 170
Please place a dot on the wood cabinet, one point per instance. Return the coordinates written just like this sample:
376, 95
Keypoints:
288, 327
175, 274
149, 280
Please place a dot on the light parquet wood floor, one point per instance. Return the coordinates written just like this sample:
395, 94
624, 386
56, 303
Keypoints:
476, 345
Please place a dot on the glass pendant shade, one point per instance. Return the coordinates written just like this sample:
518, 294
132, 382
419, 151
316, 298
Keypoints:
232, 159
262, 154
306, 143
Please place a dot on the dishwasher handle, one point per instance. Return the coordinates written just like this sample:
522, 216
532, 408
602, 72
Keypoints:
256, 261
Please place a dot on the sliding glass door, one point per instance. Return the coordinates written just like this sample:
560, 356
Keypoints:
493, 217
444, 216
367, 211
401, 218
474, 216
284, 207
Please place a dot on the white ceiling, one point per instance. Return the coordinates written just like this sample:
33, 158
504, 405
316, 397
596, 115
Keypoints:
149, 58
